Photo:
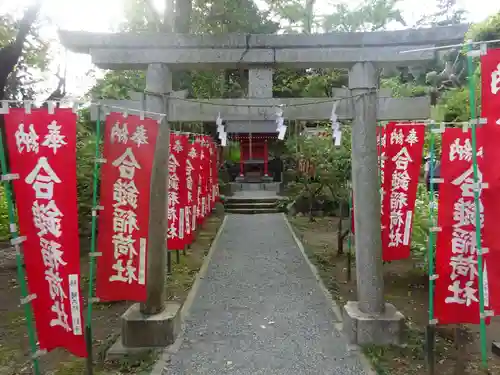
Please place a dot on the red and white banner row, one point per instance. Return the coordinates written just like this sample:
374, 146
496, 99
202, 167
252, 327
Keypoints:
490, 86
456, 275
400, 148
457, 286
42, 151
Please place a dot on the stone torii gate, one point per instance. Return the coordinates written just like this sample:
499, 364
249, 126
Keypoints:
368, 320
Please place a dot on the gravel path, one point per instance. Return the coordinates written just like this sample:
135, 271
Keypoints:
259, 310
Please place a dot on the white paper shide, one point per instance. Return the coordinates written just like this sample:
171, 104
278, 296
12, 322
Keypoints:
381, 145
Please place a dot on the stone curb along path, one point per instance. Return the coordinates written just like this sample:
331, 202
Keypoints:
368, 368
167, 352
258, 306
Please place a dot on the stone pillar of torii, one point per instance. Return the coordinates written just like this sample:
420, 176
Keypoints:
370, 319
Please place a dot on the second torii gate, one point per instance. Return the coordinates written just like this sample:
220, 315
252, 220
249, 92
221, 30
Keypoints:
253, 118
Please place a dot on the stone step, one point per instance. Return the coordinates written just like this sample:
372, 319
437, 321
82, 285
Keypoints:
252, 211
237, 205
230, 200
249, 186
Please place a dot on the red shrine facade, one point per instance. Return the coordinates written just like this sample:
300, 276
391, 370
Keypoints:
254, 155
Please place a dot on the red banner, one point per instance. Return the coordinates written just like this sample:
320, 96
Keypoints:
402, 169
42, 150
177, 192
382, 157
202, 177
208, 189
490, 109
194, 158
129, 148
490, 85
490, 195
208, 181
192, 173
381, 133
215, 172
457, 294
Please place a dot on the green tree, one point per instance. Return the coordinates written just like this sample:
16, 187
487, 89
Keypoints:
230, 16
199, 17
370, 15
454, 103
448, 72
486, 30
117, 84
332, 166
20, 50
448, 13
298, 15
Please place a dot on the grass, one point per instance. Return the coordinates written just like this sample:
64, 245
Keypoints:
408, 359
106, 320
405, 287
138, 365
7, 355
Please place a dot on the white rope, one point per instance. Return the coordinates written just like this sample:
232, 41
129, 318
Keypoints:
28, 105
279, 113
437, 48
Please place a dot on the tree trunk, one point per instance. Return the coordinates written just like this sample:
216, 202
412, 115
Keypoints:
183, 11
178, 20
340, 239
309, 21
225, 83
10, 54
312, 195
311, 199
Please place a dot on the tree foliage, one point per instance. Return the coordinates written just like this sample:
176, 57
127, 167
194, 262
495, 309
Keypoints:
331, 167
454, 104
230, 16
449, 12
486, 30
370, 15
21, 51
243, 16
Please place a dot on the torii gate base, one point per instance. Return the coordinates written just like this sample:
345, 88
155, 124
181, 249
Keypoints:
361, 328
140, 334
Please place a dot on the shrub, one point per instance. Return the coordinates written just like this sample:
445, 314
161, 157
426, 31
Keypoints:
422, 225
4, 216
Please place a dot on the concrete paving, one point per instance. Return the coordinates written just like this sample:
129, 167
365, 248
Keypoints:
260, 310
